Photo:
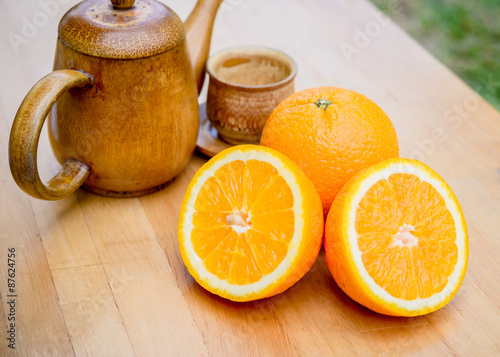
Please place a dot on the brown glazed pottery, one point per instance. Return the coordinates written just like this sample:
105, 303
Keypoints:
246, 84
126, 118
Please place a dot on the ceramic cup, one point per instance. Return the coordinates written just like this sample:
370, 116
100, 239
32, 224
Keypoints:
246, 84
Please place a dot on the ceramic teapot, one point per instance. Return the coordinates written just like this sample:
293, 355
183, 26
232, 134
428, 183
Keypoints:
122, 99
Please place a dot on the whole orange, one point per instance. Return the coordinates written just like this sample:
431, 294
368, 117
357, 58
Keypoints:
396, 240
332, 134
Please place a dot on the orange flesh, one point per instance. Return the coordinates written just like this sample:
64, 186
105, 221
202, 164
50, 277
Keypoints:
404, 228
243, 221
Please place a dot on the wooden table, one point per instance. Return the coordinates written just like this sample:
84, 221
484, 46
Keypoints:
98, 276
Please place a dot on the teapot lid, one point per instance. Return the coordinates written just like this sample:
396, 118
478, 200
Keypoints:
121, 29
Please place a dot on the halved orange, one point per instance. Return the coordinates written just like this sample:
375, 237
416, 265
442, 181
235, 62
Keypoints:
396, 240
251, 224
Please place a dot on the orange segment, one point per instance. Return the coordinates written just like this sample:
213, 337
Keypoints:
392, 269
218, 261
269, 253
277, 196
212, 197
378, 210
431, 277
406, 188
230, 178
396, 240
203, 219
244, 268
277, 225
433, 215
242, 213
255, 184
206, 240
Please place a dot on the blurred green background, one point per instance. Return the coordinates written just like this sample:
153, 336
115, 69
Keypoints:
463, 34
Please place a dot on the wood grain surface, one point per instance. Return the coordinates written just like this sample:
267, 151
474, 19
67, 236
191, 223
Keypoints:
103, 277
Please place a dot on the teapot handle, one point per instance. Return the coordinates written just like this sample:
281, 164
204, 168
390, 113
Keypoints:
25, 133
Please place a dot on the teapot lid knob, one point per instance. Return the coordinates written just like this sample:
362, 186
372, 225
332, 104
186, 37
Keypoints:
123, 4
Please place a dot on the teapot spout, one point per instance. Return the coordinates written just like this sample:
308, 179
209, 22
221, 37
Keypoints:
198, 27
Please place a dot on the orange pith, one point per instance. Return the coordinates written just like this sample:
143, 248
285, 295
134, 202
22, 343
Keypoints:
235, 217
404, 228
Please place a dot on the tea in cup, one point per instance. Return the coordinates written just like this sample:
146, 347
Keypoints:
245, 85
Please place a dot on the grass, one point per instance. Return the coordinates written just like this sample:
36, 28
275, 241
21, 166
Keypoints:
463, 34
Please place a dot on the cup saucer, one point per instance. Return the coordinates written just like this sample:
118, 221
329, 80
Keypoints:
208, 142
